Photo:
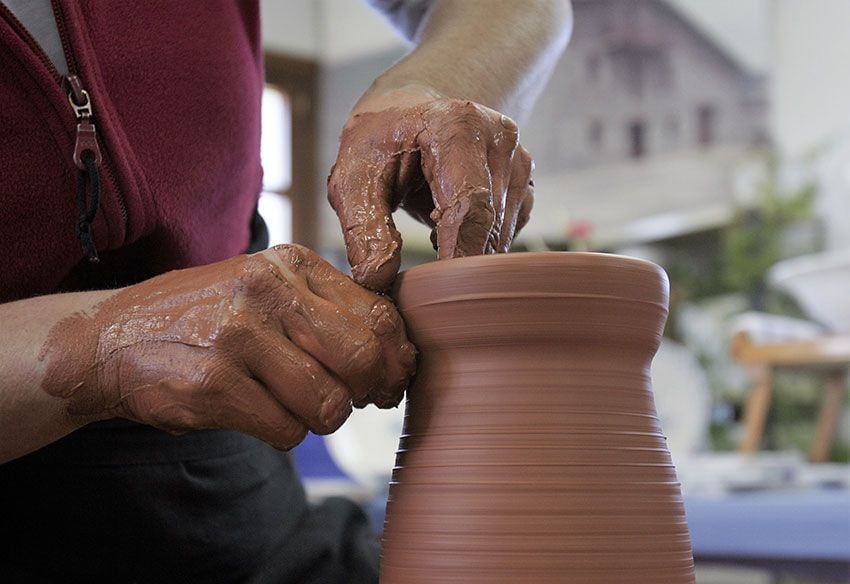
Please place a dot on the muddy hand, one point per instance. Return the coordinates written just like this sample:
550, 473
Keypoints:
271, 344
454, 165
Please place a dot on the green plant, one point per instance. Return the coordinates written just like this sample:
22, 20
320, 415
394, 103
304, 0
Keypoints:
752, 243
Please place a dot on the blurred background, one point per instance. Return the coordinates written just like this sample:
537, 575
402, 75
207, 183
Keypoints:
709, 136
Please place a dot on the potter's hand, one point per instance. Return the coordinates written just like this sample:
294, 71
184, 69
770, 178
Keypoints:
454, 165
270, 344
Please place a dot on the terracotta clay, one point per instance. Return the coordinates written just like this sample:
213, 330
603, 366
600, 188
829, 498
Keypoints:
531, 450
454, 165
270, 344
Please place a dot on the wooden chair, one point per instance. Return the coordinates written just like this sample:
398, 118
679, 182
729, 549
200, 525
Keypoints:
828, 356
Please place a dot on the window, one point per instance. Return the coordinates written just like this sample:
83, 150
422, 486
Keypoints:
276, 154
706, 121
637, 139
292, 185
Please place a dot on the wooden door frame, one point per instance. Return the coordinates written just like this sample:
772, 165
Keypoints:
299, 79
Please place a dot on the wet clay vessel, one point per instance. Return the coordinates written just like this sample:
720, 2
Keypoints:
531, 450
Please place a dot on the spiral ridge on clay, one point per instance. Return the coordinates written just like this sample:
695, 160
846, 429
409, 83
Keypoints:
531, 450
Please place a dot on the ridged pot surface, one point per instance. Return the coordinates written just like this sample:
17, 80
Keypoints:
531, 450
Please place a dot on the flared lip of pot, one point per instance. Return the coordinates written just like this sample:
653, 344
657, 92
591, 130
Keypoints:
532, 274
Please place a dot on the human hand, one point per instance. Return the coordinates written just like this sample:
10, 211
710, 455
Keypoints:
454, 165
270, 344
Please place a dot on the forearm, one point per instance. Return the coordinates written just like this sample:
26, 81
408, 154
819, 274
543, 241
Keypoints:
498, 53
30, 417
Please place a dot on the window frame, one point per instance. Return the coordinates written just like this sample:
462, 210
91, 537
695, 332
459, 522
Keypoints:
298, 78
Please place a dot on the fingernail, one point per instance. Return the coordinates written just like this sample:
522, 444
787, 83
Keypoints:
335, 410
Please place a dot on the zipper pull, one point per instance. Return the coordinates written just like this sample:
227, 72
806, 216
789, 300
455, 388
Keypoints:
89, 175
86, 131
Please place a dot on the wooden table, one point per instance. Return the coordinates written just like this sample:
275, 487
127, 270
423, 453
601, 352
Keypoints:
828, 356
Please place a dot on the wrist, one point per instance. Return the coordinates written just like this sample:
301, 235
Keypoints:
73, 362
388, 93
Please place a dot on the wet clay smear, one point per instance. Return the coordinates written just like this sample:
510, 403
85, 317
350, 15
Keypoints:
452, 164
531, 450
270, 344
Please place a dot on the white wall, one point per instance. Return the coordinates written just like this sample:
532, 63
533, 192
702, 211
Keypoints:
328, 30
292, 26
810, 101
336, 30
740, 26
810, 86
352, 29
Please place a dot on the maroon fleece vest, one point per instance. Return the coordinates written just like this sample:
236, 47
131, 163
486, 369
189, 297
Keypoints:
175, 90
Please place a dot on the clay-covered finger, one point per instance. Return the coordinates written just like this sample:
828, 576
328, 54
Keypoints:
326, 327
456, 165
524, 213
359, 190
338, 340
253, 410
299, 383
381, 317
501, 157
377, 314
399, 354
519, 190
222, 396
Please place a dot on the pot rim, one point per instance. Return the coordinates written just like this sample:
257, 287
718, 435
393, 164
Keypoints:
532, 274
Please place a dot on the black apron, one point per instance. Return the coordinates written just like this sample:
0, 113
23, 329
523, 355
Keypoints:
122, 502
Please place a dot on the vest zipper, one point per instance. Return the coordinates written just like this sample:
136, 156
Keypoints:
59, 17
88, 158
86, 132
81, 103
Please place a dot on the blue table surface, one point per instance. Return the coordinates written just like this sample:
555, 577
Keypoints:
811, 524
314, 461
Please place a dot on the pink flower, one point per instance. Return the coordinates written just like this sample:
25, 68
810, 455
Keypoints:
579, 230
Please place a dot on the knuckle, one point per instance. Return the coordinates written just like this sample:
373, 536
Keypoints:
234, 330
292, 252
153, 406
255, 264
465, 105
473, 205
478, 210
383, 318
366, 355
262, 273
289, 258
212, 380
462, 113
506, 136
408, 354
524, 161
334, 178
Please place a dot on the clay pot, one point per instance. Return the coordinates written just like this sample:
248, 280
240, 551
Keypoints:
531, 450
